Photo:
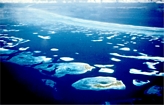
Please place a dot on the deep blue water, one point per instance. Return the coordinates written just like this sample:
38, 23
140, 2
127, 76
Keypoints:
84, 41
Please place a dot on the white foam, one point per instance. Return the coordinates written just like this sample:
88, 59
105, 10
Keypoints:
115, 46
125, 49
55, 55
143, 54
157, 45
134, 43
13, 30
106, 70
89, 34
44, 37
99, 65
5, 30
51, 32
133, 38
3, 49
12, 41
35, 33
108, 43
37, 51
10, 45
110, 37
115, 59
145, 57
66, 58
99, 40
134, 50
121, 44
45, 59
151, 65
140, 83
54, 49
153, 73
23, 49
76, 53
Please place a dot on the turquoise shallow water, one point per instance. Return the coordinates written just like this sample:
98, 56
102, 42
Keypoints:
32, 37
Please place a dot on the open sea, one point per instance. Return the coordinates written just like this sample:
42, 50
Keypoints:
101, 54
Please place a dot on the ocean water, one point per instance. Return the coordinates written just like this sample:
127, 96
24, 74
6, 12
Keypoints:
64, 59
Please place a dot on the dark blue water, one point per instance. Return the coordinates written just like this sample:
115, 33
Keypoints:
71, 39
